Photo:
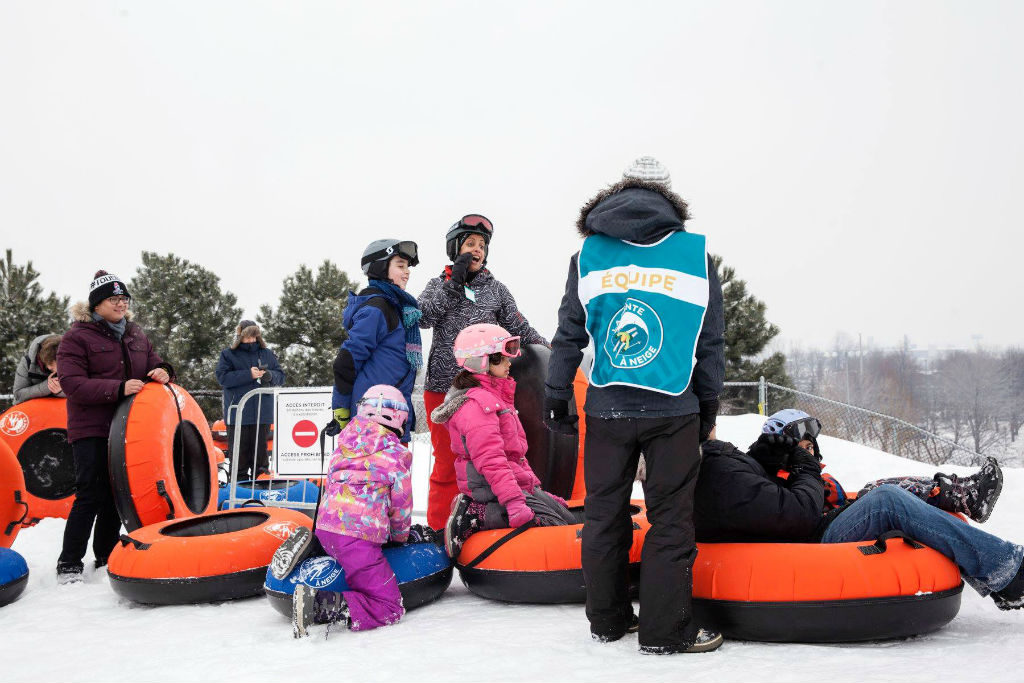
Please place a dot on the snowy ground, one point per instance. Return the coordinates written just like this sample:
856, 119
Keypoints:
86, 633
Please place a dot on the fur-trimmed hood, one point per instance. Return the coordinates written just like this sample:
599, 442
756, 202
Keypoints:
80, 312
453, 400
634, 210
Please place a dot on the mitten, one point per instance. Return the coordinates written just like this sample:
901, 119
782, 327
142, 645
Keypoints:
460, 268
518, 513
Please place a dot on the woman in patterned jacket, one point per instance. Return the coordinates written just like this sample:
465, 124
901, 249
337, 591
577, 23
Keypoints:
464, 294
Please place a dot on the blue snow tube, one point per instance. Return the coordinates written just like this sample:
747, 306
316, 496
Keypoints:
292, 490
423, 571
13, 575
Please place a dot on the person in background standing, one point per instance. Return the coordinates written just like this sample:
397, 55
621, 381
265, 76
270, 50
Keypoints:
36, 374
246, 365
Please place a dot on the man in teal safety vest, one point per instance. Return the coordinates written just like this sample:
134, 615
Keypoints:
644, 293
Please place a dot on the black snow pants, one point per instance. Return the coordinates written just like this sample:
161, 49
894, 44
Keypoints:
611, 453
94, 503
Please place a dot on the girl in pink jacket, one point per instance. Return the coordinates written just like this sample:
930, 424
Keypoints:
367, 501
497, 487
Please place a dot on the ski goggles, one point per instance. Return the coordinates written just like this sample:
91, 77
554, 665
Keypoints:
476, 360
382, 403
806, 428
406, 250
476, 223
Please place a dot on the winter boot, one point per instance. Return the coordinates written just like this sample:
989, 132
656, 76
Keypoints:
331, 608
421, 533
707, 640
461, 524
1012, 595
311, 606
293, 551
974, 496
69, 572
632, 626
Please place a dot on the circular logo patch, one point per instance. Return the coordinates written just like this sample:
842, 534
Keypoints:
14, 423
635, 336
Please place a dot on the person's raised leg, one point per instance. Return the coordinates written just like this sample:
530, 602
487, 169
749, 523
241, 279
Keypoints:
987, 562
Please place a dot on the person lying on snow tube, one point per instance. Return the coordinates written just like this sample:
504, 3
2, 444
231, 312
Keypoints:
742, 497
498, 489
366, 502
974, 496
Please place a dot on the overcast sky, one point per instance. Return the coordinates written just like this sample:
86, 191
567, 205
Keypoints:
858, 163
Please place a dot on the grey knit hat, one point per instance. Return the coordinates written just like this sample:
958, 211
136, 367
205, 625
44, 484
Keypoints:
649, 169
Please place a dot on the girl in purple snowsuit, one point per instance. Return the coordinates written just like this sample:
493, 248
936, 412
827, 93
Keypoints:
367, 501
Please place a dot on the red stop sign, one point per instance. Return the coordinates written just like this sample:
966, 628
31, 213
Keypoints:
304, 433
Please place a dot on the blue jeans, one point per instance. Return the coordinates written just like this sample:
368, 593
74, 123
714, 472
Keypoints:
986, 562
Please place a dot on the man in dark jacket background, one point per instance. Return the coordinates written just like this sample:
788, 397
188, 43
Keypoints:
246, 365
645, 292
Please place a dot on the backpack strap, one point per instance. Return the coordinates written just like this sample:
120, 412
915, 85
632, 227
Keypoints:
382, 304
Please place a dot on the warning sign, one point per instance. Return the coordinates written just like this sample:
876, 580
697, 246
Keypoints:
304, 434
299, 415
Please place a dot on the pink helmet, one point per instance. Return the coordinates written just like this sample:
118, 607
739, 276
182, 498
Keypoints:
385, 405
478, 341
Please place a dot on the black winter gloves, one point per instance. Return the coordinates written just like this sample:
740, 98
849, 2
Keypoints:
708, 416
460, 269
802, 461
557, 417
772, 451
780, 452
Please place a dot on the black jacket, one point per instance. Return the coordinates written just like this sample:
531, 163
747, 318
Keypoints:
639, 212
737, 500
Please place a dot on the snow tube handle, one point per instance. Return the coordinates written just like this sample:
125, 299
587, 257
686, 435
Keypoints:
879, 547
161, 488
254, 502
487, 552
19, 501
139, 545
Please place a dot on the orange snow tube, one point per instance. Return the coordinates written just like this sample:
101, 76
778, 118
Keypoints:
825, 592
537, 564
222, 556
162, 459
37, 432
13, 508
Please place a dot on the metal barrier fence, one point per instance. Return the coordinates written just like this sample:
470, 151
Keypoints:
852, 423
842, 420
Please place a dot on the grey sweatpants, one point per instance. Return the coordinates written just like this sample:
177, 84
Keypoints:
547, 511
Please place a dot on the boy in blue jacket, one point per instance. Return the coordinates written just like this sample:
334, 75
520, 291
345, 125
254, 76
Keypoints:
382, 321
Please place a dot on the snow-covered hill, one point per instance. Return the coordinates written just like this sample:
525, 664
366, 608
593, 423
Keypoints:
86, 633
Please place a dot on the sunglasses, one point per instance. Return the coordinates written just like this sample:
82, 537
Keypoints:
807, 428
475, 221
510, 348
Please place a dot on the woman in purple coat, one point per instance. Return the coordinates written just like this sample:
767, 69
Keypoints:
102, 359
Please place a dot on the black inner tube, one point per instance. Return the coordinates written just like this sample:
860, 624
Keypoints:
48, 464
212, 525
191, 466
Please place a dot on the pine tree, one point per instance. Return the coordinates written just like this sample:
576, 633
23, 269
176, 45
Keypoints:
24, 315
747, 333
185, 314
306, 328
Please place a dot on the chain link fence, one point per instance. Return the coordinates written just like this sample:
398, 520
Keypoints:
841, 420
849, 422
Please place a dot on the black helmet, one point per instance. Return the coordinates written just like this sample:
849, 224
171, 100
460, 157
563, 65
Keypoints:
470, 224
379, 252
